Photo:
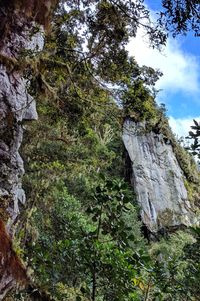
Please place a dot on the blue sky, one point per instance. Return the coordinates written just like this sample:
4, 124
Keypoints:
180, 63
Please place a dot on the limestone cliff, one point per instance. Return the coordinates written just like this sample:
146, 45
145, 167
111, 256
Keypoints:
157, 178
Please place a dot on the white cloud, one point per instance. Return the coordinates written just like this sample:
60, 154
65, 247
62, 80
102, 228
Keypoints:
181, 126
180, 69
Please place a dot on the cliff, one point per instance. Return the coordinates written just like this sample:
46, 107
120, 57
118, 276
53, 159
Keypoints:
22, 27
157, 178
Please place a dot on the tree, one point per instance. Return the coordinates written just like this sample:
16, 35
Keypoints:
194, 135
181, 16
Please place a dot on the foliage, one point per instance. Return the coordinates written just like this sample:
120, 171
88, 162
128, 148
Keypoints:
192, 272
181, 16
90, 248
194, 135
170, 266
176, 272
65, 158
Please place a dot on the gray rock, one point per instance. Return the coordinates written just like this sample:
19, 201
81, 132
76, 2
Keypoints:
157, 179
16, 105
30, 112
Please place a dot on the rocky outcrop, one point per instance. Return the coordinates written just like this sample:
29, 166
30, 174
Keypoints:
21, 28
157, 178
22, 33
16, 105
22, 25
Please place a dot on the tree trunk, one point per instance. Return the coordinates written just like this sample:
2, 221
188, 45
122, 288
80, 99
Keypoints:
18, 19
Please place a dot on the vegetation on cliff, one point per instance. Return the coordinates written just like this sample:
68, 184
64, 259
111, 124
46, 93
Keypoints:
82, 238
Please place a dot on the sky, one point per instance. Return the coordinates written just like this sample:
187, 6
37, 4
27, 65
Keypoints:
180, 84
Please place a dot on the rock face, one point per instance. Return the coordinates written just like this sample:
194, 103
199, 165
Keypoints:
22, 25
16, 105
157, 178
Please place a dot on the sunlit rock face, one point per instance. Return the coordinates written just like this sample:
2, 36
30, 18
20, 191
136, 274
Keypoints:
157, 178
